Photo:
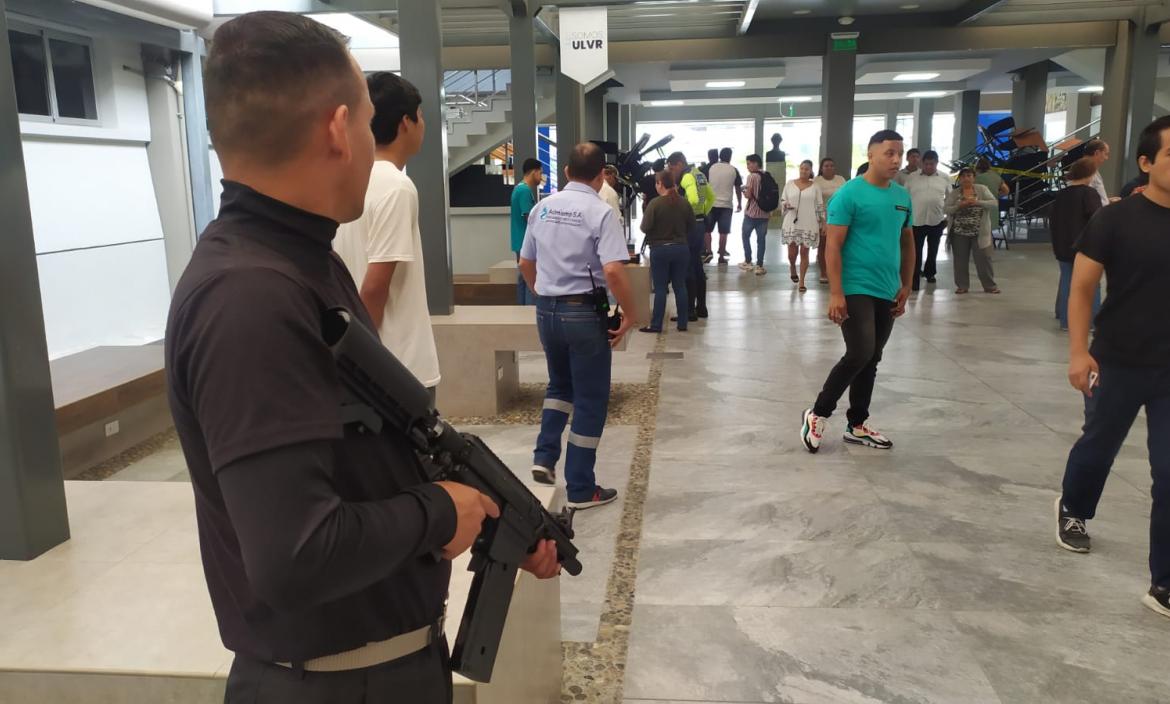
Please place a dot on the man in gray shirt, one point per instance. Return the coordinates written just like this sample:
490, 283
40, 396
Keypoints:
726, 182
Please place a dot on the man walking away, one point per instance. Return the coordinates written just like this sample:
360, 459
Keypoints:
383, 248
928, 192
724, 179
523, 201
763, 196
575, 246
870, 256
695, 189
1128, 365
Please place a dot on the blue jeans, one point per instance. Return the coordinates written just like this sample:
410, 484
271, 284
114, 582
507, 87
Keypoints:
668, 265
576, 347
760, 227
524, 295
1109, 414
1062, 292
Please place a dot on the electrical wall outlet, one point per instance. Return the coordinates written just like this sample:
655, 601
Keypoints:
112, 428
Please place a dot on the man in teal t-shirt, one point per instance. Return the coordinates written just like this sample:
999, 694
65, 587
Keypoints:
870, 255
523, 201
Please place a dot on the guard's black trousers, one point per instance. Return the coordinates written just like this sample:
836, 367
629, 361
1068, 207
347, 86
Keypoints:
421, 678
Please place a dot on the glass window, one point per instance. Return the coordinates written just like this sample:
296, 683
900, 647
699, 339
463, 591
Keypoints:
864, 127
1054, 126
802, 140
942, 136
695, 138
905, 126
73, 79
29, 71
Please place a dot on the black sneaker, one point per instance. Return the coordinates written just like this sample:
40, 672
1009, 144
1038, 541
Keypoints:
1158, 600
1071, 533
600, 497
544, 475
707, 257
702, 313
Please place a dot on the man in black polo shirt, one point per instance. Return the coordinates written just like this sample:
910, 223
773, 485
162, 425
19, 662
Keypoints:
326, 551
1128, 366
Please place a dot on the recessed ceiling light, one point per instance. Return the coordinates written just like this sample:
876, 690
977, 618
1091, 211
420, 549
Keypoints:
915, 76
910, 7
726, 84
796, 99
659, 14
801, 12
1091, 89
665, 103
927, 94
846, 20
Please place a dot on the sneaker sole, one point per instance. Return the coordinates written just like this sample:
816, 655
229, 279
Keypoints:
585, 505
545, 478
1154, 605
804, 434
866, 443
1061, 543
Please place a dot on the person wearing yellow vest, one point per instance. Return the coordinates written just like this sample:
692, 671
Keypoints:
698, 193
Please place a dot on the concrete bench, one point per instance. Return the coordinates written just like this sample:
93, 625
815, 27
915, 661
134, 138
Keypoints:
121, 613
108, 399
504, 272
478, 358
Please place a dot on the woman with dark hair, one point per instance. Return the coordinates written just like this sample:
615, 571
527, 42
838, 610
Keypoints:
804, 220
970, 207
1070, 212
666, 222
828, 181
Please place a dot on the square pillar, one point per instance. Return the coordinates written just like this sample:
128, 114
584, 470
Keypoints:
1029, 96
966, 135
1079, 113
593, 126
33, 518
923, 124
892, 116
523, 89
421, 46
570, 121
839, 85
613, 123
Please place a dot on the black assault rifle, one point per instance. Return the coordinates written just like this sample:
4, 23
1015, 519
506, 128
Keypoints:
382, 392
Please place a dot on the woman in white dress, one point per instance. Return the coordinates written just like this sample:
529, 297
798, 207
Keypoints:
804, 220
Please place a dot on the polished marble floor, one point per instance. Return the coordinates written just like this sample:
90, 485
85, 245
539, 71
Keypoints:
927, 573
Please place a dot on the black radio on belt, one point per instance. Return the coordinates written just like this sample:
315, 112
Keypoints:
601, 303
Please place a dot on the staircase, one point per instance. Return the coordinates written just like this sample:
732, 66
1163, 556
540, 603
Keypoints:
479, 114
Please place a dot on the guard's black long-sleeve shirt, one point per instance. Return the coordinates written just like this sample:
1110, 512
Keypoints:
315, 539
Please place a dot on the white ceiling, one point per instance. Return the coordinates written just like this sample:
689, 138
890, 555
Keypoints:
945, 70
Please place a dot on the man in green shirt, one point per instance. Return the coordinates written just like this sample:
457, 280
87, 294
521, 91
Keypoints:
870, 255
523, 201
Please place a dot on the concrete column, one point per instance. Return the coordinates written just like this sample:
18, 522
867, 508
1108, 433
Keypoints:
570, 121
1029, 95
1143, 76
32, 491
892, 116
923, 124
1078, 113
1115, 105
966, 135
593, 125
198, 146
633, 122
613, 123
838, 78
421, 46
761, 139
523, 89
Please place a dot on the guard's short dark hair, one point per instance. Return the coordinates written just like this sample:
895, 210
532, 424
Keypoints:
1081, 169
1150, 141
755, 159
886, 136
912, 150
268, 76
725, 154
1093, 146
394, 98
676, 158
666, 179
930, 155
659, 165
531, 165
983, 165
586, 161
712, 155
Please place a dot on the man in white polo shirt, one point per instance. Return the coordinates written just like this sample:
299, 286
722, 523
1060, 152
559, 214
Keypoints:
383, 248
928, 192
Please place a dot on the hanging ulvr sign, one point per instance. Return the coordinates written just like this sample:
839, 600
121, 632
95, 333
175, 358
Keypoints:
584, 42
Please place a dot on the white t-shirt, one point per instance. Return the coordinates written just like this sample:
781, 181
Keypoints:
828, 186
928, 195
610, 196
1098, 184
722, 177
388, 232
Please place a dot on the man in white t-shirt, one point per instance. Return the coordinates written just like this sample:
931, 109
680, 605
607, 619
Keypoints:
383, 248
609, 192
727, 183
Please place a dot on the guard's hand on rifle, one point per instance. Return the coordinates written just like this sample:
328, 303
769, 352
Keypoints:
543, 562
471, 508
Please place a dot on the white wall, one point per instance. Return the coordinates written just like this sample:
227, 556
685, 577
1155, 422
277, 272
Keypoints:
480, 238
99, 237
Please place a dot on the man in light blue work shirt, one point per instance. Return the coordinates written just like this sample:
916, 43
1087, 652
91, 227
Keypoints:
523, 201
573, 247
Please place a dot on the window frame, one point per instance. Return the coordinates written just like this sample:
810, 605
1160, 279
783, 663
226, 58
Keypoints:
46, 34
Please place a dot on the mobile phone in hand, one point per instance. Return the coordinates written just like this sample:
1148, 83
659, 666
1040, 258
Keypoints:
1094, 377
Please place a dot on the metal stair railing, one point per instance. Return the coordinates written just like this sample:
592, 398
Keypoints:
473, 89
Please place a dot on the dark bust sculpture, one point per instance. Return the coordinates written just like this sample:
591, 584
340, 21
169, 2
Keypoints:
775, 154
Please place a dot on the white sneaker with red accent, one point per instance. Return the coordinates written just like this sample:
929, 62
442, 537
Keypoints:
811, 431
867, 436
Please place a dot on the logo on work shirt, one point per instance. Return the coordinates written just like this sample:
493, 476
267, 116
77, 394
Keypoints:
558, 216
544, 213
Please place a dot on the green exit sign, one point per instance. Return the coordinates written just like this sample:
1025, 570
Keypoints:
849, 44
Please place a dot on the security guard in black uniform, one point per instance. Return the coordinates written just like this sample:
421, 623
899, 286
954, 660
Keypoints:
319, 544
